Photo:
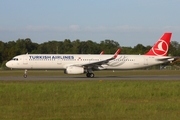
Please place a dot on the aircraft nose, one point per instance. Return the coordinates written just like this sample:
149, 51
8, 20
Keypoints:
8, 64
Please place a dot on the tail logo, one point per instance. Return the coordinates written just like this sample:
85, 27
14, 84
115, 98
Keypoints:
161, 48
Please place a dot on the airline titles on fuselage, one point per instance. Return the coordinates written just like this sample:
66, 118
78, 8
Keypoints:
49, 57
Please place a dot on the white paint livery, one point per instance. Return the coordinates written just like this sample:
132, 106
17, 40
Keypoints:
81, 63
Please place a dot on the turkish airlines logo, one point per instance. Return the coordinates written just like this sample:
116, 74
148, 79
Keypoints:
161, 48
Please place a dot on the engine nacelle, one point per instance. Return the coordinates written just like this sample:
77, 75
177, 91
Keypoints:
74, 70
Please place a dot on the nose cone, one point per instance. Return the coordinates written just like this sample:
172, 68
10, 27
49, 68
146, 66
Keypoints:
8, 64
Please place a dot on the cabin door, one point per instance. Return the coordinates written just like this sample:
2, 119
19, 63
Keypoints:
25, 60
145, 61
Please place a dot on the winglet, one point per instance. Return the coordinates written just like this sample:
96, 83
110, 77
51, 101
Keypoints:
102, 52
116, 54
161, 46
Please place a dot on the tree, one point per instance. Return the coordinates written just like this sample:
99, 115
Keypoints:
174, 48
2, 48
126, 50
67, 46
76, 49
139, 49
109, 46
92, 48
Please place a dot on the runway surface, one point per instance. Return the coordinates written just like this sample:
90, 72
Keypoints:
153, 77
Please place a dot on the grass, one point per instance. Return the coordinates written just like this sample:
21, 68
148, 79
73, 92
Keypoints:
99, 100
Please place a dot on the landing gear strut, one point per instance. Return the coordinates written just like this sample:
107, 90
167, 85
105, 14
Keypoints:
25, 73
91, 75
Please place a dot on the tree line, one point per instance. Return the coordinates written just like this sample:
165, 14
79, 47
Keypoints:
22, 46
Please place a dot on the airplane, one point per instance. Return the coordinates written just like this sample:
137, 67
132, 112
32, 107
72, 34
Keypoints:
87, 63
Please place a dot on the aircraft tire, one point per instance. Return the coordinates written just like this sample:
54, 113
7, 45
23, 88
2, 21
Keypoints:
87, 74
25, 76
91, 75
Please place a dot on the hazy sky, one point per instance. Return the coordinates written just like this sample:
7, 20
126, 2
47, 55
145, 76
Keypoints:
129, 22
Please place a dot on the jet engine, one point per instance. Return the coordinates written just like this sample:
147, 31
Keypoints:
74, 70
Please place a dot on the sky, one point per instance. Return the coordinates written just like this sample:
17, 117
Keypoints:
129, 22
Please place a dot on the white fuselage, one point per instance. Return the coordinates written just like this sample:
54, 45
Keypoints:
62, 61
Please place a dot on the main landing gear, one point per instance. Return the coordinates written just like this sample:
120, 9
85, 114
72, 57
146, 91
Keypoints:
25, 73
90, 75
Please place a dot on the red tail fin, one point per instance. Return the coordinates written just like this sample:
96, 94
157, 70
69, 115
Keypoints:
161, 47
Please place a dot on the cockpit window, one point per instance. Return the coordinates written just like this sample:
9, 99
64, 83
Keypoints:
15, 59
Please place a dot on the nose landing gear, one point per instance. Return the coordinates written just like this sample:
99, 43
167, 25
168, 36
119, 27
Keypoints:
25, 73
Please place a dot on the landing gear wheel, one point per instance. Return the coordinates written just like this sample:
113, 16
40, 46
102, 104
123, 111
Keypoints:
87, 74
25, 75
91, 75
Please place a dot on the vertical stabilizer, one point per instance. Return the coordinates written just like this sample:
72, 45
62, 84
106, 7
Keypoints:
161, 47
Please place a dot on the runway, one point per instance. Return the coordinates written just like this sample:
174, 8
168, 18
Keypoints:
80, 78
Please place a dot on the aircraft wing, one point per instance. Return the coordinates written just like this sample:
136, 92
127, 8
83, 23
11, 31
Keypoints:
99, 62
